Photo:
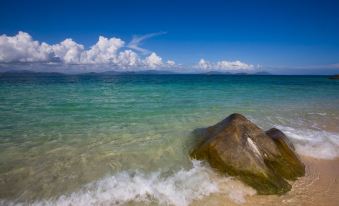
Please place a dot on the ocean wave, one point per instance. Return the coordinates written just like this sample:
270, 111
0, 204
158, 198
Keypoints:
314, 143
179, 189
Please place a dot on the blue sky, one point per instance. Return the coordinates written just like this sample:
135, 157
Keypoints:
281, 36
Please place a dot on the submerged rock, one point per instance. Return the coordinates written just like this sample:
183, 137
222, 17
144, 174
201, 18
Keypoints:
263, 160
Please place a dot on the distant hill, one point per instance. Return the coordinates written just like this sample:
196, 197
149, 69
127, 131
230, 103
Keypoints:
240, 73
262, 73
27, 73
144, 72
216, 73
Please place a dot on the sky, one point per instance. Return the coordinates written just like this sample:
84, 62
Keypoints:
282, 37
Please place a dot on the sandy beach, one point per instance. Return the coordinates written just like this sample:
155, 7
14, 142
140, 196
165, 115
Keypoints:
319, 186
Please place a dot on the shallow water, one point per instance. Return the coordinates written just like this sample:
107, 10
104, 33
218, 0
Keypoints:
125, 139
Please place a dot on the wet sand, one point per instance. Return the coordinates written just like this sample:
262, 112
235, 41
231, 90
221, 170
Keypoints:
319, 187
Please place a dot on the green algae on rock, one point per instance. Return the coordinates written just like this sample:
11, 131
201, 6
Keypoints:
288, 164
239, 148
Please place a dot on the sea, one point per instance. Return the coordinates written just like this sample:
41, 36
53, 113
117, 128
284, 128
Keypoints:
96, 139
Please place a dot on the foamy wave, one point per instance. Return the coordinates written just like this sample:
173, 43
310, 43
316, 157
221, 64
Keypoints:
313, 143
179, 189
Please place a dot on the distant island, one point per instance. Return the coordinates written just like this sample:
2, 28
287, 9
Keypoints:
108, 73
28, 73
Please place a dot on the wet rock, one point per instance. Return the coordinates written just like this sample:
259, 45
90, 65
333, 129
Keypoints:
239, 148
287, 164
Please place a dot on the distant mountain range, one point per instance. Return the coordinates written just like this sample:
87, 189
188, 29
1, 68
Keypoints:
240, 73
29, 73
144, 72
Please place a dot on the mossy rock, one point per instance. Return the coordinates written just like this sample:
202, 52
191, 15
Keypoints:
288, 164
239, 148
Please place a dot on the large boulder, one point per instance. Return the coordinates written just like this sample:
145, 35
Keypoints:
237, 147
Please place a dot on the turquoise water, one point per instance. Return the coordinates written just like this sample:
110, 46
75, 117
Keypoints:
120, 139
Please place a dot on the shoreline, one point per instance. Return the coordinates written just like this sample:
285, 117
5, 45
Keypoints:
319, 186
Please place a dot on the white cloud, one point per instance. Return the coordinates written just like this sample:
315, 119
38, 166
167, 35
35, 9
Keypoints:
171, 63
103, 52
202, 64
234, 65
21, 48
128, 58
108, 53
68, 51
137, 40
153, 61
227, 66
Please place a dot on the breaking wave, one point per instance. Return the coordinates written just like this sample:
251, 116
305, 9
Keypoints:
179, 189
314, 143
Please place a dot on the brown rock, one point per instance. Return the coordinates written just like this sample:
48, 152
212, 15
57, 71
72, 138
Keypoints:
239, 148
288, 164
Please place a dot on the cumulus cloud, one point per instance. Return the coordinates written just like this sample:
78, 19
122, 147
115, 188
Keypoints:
111, 53
68, 51
128, 58
234, 65
171, 63
224, 65
203, 64
153, 61
103, 52
21, 48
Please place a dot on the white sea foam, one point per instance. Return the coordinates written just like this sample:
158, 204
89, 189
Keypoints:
179, 189
314, 143
318, 113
